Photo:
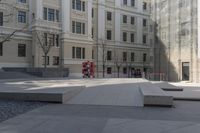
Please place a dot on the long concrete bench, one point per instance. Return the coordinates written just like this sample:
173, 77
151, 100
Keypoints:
167, 87
57, 95
155, 96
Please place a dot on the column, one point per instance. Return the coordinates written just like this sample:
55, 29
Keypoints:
101, 20
38, 9
66, 16
117, 21
89, 18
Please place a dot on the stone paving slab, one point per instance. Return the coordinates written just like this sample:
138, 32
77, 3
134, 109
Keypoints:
114, 95
167, 86
61, 118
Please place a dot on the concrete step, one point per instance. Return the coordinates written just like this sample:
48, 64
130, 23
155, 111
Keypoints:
155, 96
14, 75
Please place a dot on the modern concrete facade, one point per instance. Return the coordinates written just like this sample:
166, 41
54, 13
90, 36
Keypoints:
79, 30
177, 38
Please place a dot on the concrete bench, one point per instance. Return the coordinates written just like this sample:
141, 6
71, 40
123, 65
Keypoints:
55, 95
167, 87
154, 96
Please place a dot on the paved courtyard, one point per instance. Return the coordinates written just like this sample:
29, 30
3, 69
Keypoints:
104, 106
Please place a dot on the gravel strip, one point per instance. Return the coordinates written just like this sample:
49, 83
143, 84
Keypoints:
10, 109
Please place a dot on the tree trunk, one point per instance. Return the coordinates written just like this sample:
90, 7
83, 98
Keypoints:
45, 62
118, 68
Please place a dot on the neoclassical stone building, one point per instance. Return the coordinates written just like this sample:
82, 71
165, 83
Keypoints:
117, 35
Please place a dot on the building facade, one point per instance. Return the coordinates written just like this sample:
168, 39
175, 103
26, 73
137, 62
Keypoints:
117, 35
177, 39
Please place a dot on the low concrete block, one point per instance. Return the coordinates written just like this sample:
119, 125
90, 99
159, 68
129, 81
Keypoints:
155, 96
57, 95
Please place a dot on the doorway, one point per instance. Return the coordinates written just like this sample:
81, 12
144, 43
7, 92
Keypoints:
185, 71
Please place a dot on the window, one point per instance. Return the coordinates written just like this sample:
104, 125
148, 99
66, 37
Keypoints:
132, 20
78, 27
125, 2
124, 36
1, 18
124, 56
1, 49
144, 22
144, 39
109, 55
51, 14
45, 39
47, 60
144, 57
109, 35
21, 16
57, 40
92, 12
109, 70
132, 57
22, 1
21, 50
144, 6
55, 60
109, 16
57, 15
45, 13
132, 37
124, 19
125, 70
133, 3
78, 53
78, 5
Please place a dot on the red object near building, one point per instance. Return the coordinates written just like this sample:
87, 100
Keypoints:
88, 69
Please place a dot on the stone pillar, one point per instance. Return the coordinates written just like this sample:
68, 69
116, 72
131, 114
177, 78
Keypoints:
38, 9
117, 22
101, 20
89, 18
66, 16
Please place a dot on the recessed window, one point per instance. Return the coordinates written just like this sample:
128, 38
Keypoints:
109, 70
125, 70
144, 6
132, 37
1, 18
21, 50
109, 16
109, 55
78, 53
144, 22
78, 27
78, 5
144, 39
22, 1
55, 60
132, 57
125, 2
133, 3
124, 56
132, 20
47, 60
124, 19
1, 49
51, 14
124, 36
21, 16
144, 57
109, 35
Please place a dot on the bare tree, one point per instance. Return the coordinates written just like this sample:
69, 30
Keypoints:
117, 61
46, 43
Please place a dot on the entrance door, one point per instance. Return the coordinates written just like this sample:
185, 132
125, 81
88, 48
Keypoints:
185, 71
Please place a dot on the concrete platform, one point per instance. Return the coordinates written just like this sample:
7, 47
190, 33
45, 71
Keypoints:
167, 86
32, 90
154, 96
